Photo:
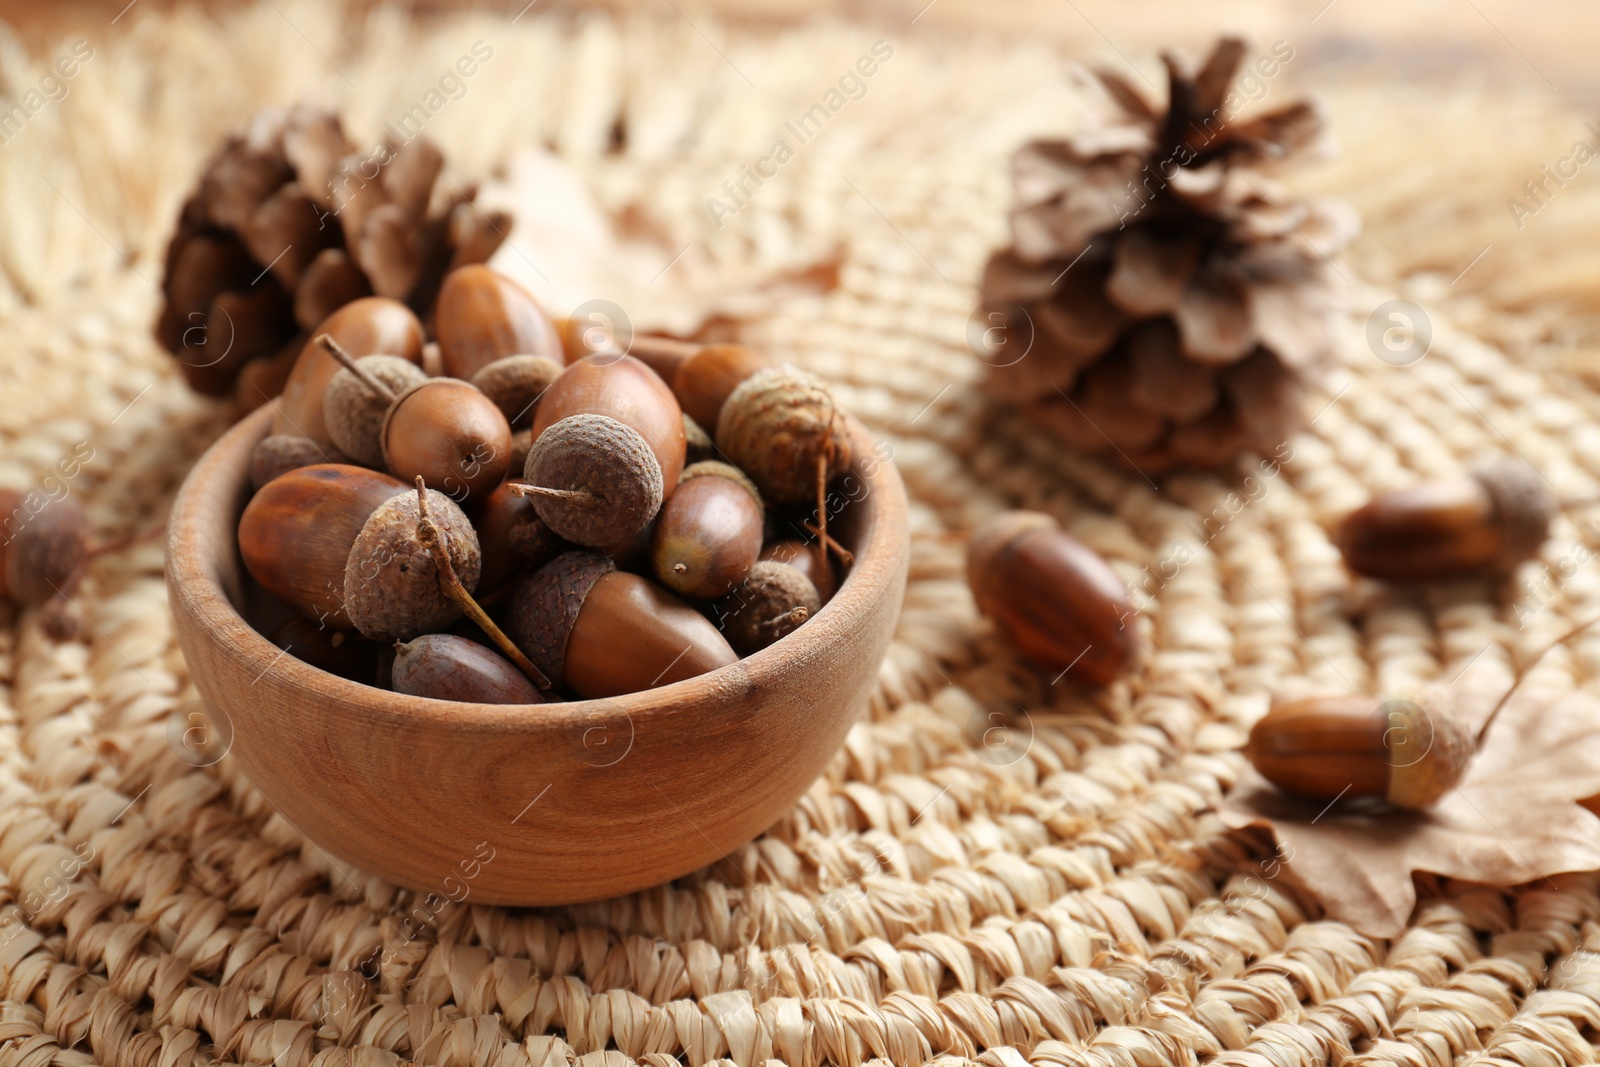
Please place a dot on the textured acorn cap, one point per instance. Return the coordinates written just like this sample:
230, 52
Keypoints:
545, 607
776, 425
280, 453
354, 413
516, 383
769, 604
1523, 507
1429, 719
713, 468
609, 461
995, 537
391, 586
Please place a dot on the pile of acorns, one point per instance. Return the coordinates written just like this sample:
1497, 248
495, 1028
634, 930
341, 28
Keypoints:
606, 523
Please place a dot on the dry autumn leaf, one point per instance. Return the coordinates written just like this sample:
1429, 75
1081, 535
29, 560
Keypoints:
1515, 818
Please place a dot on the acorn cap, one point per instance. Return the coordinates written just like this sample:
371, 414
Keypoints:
281, 453
1523, 507
713, 468
776, 425
516, 383
353, 412
609, 461
545, 607
996, 536
769, 604
391, 586
1429, 721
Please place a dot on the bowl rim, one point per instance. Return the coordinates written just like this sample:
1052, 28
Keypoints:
208, 490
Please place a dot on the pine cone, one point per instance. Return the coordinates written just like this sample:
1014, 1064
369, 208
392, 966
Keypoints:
289, 224
1172, 301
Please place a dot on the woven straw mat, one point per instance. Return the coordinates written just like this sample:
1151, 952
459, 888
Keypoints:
1051, 890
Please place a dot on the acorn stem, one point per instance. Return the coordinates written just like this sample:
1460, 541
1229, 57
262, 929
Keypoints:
845, 555
433, 540
581, 497
1527, 668
348, 362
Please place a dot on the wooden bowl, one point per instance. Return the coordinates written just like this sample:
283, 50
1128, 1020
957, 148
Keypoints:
568, 802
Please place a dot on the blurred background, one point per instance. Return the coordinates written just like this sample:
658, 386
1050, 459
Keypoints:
1443, 110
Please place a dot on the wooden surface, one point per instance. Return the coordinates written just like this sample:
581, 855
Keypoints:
577, 801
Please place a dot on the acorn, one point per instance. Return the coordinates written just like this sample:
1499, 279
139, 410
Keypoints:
516, 383
704, 381
1052, 597
593, 480
483, 316
341, 652
513, 539
1407, 752
769, 604
622, 388
355, 406
608, 447
43, 551
1475, 527
362, 327
449, 434
448, 667
280, 453
602, 632
708, 534
782, 428
807, 558
340, 545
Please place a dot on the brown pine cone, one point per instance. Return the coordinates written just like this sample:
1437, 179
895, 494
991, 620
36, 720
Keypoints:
1173, 304
289, 223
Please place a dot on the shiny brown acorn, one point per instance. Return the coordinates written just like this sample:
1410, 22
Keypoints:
708, 534
1407, 752
1052, 597
601, 632
1479, 526
449, 434
703, 381
339, 544
448, 667
483, 316
364, 327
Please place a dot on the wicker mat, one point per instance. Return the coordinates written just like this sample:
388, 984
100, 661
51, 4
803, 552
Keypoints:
994, 867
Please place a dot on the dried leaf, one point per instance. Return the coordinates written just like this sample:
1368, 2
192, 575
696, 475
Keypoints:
1515, 819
